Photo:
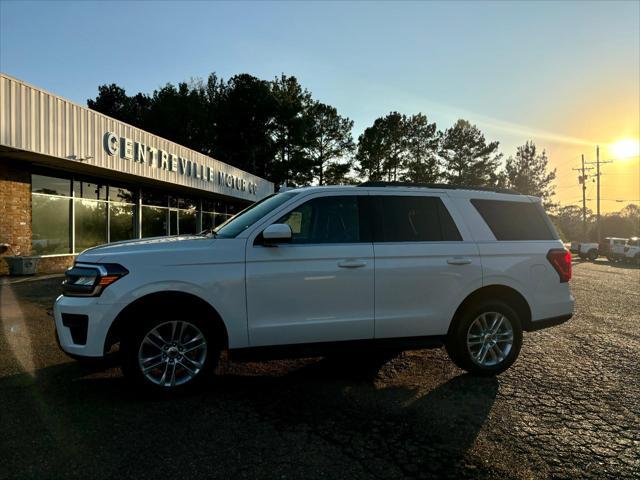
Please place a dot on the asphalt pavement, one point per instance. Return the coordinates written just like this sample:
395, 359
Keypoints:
568, 408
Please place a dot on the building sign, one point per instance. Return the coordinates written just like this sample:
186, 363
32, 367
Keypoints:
138, 152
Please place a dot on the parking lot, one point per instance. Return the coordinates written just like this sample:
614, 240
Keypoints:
568, 408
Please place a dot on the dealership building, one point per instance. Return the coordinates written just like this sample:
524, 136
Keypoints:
72, 178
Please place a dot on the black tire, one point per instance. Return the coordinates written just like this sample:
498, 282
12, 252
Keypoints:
131, 344
592, 255
456, 342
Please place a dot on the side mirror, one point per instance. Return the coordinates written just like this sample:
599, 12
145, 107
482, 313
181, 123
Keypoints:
277, 233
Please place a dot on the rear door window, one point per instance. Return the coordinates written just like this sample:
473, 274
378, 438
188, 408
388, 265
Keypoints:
413, 219
515, 220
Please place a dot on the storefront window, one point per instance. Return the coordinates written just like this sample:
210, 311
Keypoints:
154, 198
50, 185
91, 223
154, 221
173, 222
107, 213
117, 194
89, 190
187, 219
208, 220
121, 221
50, 224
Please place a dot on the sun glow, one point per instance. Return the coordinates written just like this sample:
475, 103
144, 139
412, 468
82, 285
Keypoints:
627, 148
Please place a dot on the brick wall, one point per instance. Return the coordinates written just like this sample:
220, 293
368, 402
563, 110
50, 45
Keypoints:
55, 264
15, 209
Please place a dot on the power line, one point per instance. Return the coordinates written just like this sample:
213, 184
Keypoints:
598, 175
582, 180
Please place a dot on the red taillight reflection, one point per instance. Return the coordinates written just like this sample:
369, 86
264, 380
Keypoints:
560, 260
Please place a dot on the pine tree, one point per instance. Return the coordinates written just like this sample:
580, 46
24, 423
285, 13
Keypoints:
528, 173
329, 143
423, 141
467, 158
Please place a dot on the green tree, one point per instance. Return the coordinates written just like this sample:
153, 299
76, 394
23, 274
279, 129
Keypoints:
329, 143
422, 143
382, 148
528, 173
467, 157
569, 221
372, 152
243, 116
113, 101
291, 124
181, 113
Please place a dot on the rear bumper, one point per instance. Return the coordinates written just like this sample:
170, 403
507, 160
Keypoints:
534, 325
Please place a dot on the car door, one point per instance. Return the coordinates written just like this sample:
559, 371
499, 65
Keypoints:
424, 266
319, 287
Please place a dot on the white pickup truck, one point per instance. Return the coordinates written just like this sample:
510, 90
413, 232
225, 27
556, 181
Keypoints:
632, 250
610, 247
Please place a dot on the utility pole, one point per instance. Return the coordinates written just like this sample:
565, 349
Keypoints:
597, 163
598, 188
583, 181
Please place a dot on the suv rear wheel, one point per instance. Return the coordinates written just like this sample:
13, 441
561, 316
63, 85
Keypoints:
486, 338
169, 354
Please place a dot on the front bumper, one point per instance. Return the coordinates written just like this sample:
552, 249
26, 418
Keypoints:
99, 320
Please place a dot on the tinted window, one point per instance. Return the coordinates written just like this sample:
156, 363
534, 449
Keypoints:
515, 220
50, 185
90, 190
413, 219
326, 220
50, 225
91, 224
117, 194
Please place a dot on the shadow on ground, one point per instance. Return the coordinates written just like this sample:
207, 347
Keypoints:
317, 418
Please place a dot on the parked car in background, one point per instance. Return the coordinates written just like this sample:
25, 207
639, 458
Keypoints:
632, 250
574, 247
317, 270
612, 248
588, 250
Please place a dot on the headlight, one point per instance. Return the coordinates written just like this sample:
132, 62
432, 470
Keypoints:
90, 279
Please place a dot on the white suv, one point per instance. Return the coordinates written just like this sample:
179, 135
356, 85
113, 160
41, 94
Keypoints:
323, 269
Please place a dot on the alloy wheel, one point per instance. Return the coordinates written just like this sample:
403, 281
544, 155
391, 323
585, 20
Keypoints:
489, 339
172, 353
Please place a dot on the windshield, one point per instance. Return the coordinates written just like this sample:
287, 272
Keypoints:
247, 217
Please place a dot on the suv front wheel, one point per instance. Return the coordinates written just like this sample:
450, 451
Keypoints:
169, 354
486, 338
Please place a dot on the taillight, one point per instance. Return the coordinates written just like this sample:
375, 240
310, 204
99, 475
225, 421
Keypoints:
560, 260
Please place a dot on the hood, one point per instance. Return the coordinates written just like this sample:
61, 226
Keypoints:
109, 252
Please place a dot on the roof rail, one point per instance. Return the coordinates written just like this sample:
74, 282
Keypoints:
441, 186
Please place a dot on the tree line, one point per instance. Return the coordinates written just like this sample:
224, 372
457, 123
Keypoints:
568, 221
277, 130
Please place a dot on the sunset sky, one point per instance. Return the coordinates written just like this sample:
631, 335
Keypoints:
565, 75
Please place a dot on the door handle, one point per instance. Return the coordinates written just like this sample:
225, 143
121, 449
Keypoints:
352, 264
458, 261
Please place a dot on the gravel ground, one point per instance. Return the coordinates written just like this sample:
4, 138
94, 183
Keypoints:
568, 408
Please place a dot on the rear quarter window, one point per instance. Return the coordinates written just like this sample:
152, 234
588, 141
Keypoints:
401, 218
515, 220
